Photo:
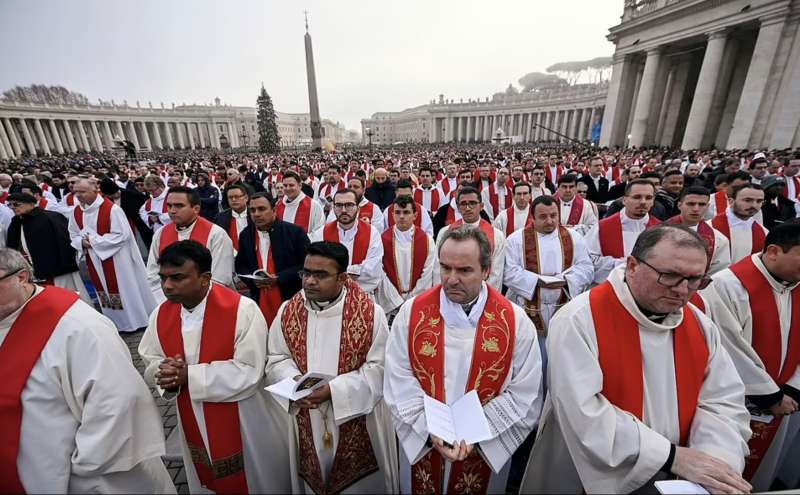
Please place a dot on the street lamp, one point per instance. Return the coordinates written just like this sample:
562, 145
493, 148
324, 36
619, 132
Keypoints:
370, 133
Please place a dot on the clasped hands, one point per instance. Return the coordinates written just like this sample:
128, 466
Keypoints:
316, 398
458, 452
172, 373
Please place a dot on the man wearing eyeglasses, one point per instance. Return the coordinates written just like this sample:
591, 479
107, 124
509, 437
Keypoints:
538, 187
362, 240
641, 387
498, 196
343, 431
756, 303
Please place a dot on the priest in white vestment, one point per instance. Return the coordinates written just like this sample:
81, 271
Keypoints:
470, 205
577, 213
463, 309
193, 310
362, 240
86, 424
188, 224
497, 195
538, 185
753, 303
611, 240
405, 188
154, 211
408, 260
605, 430
739, 223
518, 214
295, 200
344, 337
692, 203
367, 210
104, 238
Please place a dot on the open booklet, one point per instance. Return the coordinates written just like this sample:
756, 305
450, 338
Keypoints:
256, 275
290, 389
680, 487
463, 420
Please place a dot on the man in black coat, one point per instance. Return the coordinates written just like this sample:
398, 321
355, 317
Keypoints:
776, 208
238, 196
597, 183
381, 192
287, 244
47, 241
130, 201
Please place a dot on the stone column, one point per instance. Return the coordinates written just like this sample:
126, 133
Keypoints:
7, 142
56, 139
96, 135
37, 125
617, 90
73, 145
120, 131
4, 154
189, 134
107, 134
179, 131
83, 136
704, 91
12, 137
26, 136
584, 120
146, 136
157, 136
134, 137
170, 141
757, 76
788, 107
564, 125
644, 101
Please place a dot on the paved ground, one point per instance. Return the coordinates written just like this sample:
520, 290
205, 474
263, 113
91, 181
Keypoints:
169, 417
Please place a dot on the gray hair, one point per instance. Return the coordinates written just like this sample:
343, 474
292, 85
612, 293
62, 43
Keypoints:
153, 180
680, 235
466, 233
12, 260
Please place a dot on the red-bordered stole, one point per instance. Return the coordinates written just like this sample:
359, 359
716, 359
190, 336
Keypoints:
330, 233
612, 243
365, 212
705, 231
491, 363
530, 249
302, 215
200, 233
720, 222
419, 254
485, 226
220, 467
107, 294
510, 227
354, 458
575, 213
417, 221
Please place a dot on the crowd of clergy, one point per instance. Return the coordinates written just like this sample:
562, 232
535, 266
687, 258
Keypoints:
625, 316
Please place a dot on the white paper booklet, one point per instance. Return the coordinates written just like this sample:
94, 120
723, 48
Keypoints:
256, 275
680, 487
464, 420
296, 390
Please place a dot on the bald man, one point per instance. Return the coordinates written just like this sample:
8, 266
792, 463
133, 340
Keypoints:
381, 192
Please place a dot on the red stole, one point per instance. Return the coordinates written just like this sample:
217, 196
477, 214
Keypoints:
451, 215
354, 458
417, 222
720, 222
485, 226
446, 188
222, 470
720, 201
549, 173
149, 204
3, 197
326, 189
302, 215
365, 212
18, 355
491, 363
109, 298
576, 211
767, 344
70, 199
419, 194
494, 198
233, 232
42, 203
620, 356
510, 227
419, 255
703, 230
796, 180
200, 233
269, 300
610, 231
330, 233
530, 249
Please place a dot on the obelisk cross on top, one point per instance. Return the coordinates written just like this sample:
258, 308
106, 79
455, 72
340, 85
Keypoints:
313, 102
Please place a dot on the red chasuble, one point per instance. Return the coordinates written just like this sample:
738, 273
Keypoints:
620, 356
330, 233
18, 355
530, 249
510, 227
108, 294
721, 201
485, 226
302, 215
419, 255
610, 230
418, 196
221, 467
365, 212
354, 458
767, 342
269, 300
491, 363
200, 233
703, 230
720, 222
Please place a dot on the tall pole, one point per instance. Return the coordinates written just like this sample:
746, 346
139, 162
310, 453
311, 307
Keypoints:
313, 102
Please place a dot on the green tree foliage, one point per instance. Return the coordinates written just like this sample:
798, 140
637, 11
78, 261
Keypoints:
269, 139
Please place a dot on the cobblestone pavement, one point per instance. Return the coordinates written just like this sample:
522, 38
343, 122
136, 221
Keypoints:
169, 417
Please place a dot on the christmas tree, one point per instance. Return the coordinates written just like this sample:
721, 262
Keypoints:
268, 137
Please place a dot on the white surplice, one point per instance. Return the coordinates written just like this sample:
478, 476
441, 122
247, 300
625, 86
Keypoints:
588, 217
89, 423
353, 394
388, 296
586, 443
119, 244
498, 256
511, 415
240, 380
316, 217
631, 228
377, 218
741, 241
156, 205
522, 283
370, 270
728, 304
721, 257
425, 222
70, 281
428, 195
220, 245
520, 218
502, 192
540, 190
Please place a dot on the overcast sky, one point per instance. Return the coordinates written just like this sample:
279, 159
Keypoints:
370, 55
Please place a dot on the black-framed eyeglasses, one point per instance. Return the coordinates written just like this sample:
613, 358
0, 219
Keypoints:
342, 206
10, 274
469, 204
668, 279
319, 275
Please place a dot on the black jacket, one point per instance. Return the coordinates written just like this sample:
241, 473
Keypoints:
47, 239
131, 202
223, 219
288, 243
209, 202
593, 194
380, 194
776, 215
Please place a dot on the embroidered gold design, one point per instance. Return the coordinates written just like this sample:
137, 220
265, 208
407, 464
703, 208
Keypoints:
427, 349
489, 316
490, 345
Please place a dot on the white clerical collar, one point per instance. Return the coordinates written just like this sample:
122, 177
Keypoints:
297, 199
617, 280
243, 214
323, 306
453, 313
188, 227
625, 219
95, 204
736, 222
349, 232
551, 235
427, 188
163, 193
404, 237
776, 285
476, 224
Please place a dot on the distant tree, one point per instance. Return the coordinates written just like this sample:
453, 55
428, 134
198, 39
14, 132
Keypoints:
593, 71
538, 81
39, 93
269, 139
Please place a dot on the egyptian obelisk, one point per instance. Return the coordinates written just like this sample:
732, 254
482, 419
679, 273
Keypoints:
313, 102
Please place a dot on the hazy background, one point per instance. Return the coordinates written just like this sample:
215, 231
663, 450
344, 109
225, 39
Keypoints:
370, 55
